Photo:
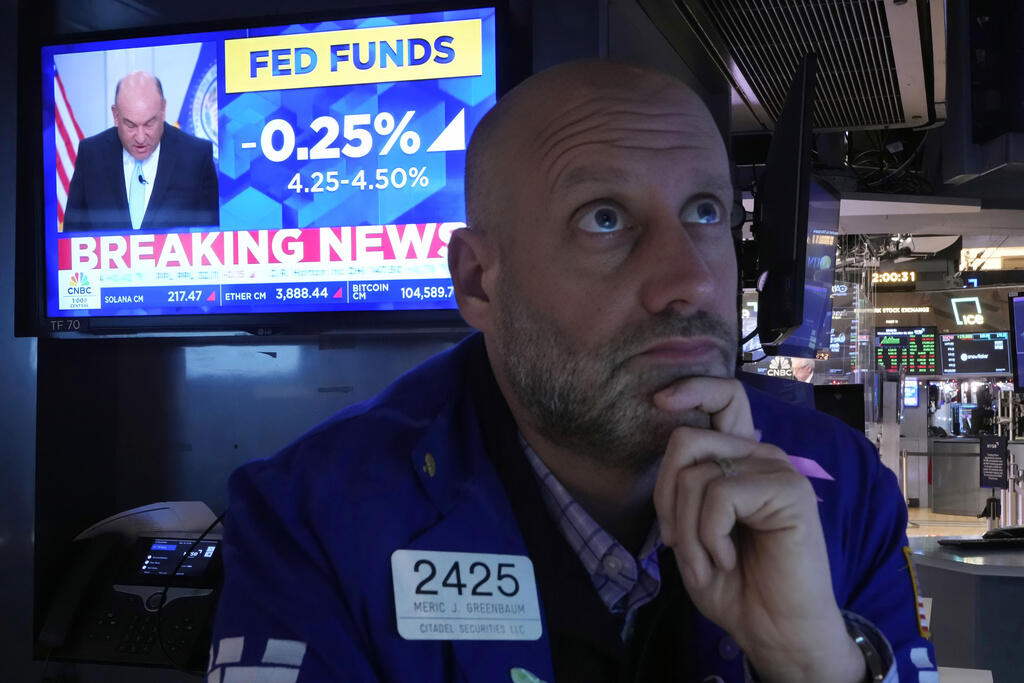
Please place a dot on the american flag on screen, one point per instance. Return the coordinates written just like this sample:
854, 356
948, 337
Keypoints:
68, 136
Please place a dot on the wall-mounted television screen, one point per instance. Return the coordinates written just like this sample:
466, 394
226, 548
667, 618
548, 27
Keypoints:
912, 349
275, 169
814, 332
975, 353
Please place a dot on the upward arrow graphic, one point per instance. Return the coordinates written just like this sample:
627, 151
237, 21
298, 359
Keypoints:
453, 137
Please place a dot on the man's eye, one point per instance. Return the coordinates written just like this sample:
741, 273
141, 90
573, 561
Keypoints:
703, 211
602, 219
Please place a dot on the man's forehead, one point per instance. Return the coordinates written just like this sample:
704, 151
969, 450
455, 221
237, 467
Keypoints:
661, 105
584, 172
600, 141
655, 114
138, 92
136, 106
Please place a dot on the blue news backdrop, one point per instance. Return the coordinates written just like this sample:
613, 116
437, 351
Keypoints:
406, 185
255, 191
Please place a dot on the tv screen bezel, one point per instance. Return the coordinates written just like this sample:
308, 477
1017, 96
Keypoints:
512, 64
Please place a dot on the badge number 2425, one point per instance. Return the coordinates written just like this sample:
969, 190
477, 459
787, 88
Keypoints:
442, 595
453, 578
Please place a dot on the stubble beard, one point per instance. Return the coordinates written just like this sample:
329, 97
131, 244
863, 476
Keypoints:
589, 398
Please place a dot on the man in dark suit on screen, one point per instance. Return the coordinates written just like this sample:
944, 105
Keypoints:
141, 174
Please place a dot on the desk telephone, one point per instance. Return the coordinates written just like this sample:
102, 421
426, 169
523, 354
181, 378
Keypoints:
111, 605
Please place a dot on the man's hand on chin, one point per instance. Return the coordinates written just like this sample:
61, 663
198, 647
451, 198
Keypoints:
744, 527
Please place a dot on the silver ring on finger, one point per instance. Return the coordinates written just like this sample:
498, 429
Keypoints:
727, 466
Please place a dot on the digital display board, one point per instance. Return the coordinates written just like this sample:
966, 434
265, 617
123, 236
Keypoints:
975, 353
912, 349
167, 555
896, 279
305, 167
910, 393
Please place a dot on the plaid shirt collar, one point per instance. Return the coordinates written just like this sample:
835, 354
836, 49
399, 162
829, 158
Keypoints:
623, 581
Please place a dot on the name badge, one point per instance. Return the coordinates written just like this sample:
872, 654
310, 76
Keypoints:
465, 596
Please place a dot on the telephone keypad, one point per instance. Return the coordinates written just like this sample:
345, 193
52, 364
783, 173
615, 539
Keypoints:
127, 627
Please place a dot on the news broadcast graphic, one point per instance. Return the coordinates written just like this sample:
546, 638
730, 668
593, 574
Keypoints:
976, 353
837, 360
339, 150
912, 349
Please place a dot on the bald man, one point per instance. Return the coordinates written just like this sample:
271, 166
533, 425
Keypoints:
581, 491
141, 174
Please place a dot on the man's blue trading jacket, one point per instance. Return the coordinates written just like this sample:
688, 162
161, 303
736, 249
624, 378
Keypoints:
430, 464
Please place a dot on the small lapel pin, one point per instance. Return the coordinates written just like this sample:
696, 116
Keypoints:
522, 676
429, 466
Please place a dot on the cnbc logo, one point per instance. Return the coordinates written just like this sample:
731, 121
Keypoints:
78, 292
79, 284
780, 366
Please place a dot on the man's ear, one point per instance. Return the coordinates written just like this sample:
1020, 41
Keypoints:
473, 264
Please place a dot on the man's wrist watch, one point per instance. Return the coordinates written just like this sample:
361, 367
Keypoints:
872, 659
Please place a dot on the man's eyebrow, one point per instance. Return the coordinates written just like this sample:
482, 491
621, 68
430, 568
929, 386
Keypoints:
136, 123
719, 188
581, 175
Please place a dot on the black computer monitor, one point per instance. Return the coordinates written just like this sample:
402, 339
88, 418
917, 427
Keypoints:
844, 401
780, 212
822, 229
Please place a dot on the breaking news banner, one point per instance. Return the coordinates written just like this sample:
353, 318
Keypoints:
339, 153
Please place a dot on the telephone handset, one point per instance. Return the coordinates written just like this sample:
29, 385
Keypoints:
136, 599
80, 580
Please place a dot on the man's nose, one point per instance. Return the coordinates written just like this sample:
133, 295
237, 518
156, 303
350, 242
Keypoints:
677, 270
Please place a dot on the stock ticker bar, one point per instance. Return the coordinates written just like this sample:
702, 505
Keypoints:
911, 349
365, 267
398, 294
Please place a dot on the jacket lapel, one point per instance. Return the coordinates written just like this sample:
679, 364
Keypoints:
458, 476
473, 527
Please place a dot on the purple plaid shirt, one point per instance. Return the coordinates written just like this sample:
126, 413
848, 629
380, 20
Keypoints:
625, 583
